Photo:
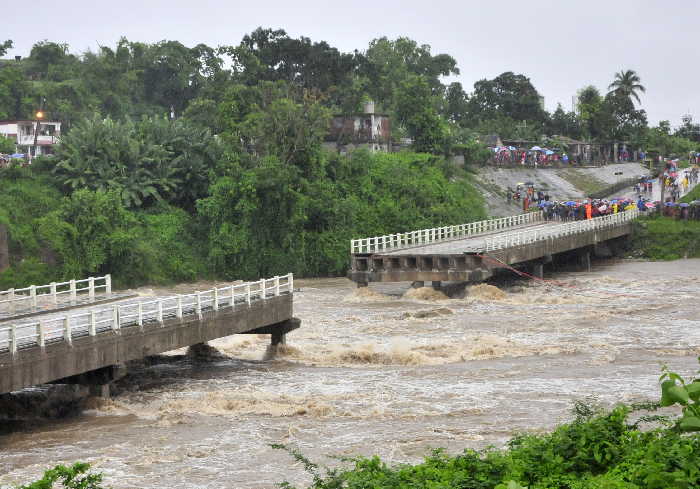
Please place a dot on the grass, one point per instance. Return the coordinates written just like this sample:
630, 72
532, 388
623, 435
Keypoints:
663, 238
692, 195
588, 184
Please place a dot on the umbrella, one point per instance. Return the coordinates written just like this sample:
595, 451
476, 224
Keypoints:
684, 204
529, 183
512, 148
571, 202
535, 148
650, 205
17, 155
520, 183
549, 152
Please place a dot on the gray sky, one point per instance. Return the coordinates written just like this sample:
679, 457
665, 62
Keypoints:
561, 45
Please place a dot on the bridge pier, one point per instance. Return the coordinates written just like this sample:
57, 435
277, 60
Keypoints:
278, 331
585, 261
362, 284
538, 269
436, 284
417, 284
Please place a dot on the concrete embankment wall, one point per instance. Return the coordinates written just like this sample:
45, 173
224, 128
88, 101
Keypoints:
560, 183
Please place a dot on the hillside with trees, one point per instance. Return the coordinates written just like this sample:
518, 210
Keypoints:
180, 162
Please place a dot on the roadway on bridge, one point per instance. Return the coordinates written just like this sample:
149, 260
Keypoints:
80, 317
461, 245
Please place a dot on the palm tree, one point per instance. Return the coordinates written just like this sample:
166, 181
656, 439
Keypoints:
627, 84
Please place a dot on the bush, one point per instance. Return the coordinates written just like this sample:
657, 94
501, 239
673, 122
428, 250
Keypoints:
663, 238
598, 450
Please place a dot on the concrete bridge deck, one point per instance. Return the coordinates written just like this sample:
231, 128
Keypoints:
475, 257
86, 344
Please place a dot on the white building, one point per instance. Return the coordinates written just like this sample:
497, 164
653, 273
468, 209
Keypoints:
22, 133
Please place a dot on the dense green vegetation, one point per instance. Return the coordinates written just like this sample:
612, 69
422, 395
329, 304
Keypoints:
180, 162
258, 220
664, 238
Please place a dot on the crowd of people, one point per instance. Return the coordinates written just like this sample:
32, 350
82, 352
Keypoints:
534, 157
590, 208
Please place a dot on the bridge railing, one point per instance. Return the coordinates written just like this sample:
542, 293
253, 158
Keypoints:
553, 232
55, 291
136, 314
434, 235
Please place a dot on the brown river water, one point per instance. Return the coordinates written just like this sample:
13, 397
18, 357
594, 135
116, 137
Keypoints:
384, 370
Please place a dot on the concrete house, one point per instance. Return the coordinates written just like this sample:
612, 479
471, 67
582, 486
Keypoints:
364, 130
22, 132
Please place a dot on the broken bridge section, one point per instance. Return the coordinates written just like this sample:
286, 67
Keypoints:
90, 344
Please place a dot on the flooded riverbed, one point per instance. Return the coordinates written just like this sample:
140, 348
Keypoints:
385, 370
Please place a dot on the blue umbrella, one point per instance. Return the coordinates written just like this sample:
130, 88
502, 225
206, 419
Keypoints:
549, 152
571, 202
684, 204
17, 155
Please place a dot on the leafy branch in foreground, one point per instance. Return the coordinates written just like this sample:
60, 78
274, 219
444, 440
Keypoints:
675, 390
74, 477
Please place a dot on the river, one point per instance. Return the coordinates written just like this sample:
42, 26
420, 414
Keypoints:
384, 370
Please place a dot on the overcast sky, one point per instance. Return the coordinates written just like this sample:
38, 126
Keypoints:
561, 45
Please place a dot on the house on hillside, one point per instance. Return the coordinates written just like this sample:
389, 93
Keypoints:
365, 130
22, 132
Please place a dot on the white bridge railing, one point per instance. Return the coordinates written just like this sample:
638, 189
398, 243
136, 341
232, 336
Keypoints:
435, 235
509, 240
55, 291
136, 314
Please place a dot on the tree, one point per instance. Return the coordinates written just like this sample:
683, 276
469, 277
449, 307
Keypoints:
5, 46
416, 112
507, 95
564, 123
155, 159
627, 84
7, 145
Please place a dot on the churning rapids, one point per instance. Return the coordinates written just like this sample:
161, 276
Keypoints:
385, 370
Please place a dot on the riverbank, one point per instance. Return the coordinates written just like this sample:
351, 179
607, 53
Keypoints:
664, 238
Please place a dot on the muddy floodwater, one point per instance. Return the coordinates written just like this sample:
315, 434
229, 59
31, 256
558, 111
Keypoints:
384, 370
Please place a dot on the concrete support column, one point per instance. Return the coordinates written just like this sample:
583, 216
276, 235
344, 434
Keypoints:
585, 261
538, 270
437, 284
102, 391
362, 284
278, 338
418, 284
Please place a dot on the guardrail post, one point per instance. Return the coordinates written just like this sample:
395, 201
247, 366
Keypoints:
263, 292
13, 339
92, 330
32, 295
73, 293
290, 281
140, 313
199, 304
54, 296
67, 336
216, 299
12, 300
115, 319
247, 294
178, 312
41, 335
277, 286
233, 297
108, 284
160, 312
91, 288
